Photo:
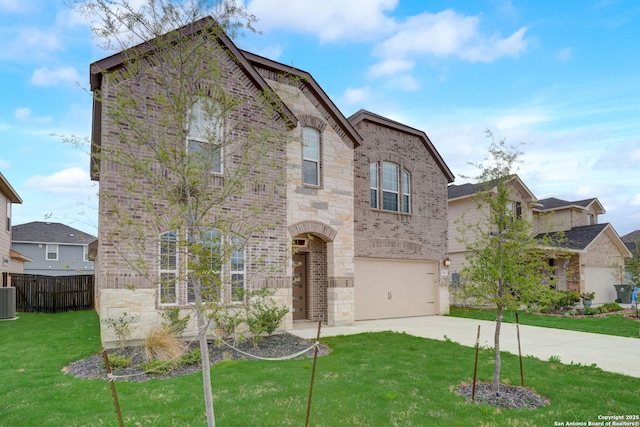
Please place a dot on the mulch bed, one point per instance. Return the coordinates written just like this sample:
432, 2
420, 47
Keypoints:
508, 397
269, 347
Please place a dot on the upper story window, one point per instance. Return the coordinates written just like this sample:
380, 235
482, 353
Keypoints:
395, 188
591, 219
373, 184
85, 252
52, 252
204, 140
8, 216
406, 192
514, 210
311, 156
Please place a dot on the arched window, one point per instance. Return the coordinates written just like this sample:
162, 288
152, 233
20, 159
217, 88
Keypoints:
310, 156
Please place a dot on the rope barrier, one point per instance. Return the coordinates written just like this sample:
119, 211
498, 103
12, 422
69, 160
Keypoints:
112, 377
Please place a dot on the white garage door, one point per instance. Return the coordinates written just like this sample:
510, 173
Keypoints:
387, 288
601, 281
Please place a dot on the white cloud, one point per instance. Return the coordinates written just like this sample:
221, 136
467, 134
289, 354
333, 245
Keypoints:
564, 54
73, 180
448, 33
50, 77
329, 20
391, 66
635, 201
24, 114
10, 5
355, 95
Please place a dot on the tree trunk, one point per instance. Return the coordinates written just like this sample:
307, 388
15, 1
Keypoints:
496, 343
206, 366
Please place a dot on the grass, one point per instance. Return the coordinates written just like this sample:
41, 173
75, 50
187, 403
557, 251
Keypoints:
376, 379
612, 324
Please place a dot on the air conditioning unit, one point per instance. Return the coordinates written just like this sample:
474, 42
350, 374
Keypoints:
7, 303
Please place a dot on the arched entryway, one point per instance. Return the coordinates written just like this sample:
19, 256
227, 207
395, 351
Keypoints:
311, 243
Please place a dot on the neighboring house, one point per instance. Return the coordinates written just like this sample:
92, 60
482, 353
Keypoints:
353, 257
54, 249
12, 260
590, 255
632, 242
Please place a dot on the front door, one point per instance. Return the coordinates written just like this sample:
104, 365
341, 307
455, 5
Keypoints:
299, 286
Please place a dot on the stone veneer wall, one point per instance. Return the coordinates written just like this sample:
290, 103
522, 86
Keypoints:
325, 211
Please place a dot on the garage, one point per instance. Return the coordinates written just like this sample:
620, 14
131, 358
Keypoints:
600, 279
387, 288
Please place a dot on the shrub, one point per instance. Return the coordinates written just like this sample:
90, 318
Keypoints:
121, 328
163, 344
118, 362
563, 300
590, 311
174, 322
263, 314
608, 307
191, 358
156, 366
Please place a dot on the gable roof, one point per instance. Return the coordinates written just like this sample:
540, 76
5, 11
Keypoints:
306, 79
118, 60
49, 232
364, 115
634, 236
467, 190
8, 191
555, 204
578, 239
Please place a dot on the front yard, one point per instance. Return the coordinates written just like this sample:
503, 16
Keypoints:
377, 379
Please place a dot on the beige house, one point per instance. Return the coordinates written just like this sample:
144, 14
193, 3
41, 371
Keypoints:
590, 257
12, 261
346, 258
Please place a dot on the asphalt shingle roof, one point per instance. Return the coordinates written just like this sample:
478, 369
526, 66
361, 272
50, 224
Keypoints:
553, 203
49, 232
578, 238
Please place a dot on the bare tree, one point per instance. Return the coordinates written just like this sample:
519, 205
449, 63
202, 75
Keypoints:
187, 163
505, 262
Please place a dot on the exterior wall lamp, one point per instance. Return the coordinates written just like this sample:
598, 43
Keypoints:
446, 262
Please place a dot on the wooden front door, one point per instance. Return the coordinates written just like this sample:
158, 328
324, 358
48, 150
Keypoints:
299, 286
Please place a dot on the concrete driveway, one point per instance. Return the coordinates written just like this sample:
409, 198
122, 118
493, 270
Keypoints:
614, 354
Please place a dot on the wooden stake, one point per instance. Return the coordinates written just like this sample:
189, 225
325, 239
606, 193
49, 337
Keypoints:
475, 367
519, 350
113, 387
313, 374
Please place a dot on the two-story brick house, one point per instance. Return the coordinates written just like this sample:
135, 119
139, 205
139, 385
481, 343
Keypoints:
324, 224
589, 257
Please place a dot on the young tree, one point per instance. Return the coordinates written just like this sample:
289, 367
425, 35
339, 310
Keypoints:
199, 161
505, 262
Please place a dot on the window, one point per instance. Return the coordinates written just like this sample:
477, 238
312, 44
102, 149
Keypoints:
591, 220
514, 210
396, 181
373, 184
85, 252
310, 156
406, 192
221, 281
390, 186
8, 216
204, 141
52, 252
237, 269
168, 267
208, 247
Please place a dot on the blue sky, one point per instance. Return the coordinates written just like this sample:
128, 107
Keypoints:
562, 77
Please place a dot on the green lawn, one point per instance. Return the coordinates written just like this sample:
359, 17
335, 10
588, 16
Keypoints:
613, 324
376, 379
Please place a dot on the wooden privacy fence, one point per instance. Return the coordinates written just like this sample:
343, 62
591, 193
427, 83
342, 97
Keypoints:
51, 294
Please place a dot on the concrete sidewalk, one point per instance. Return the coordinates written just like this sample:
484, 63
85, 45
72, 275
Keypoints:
614, 354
